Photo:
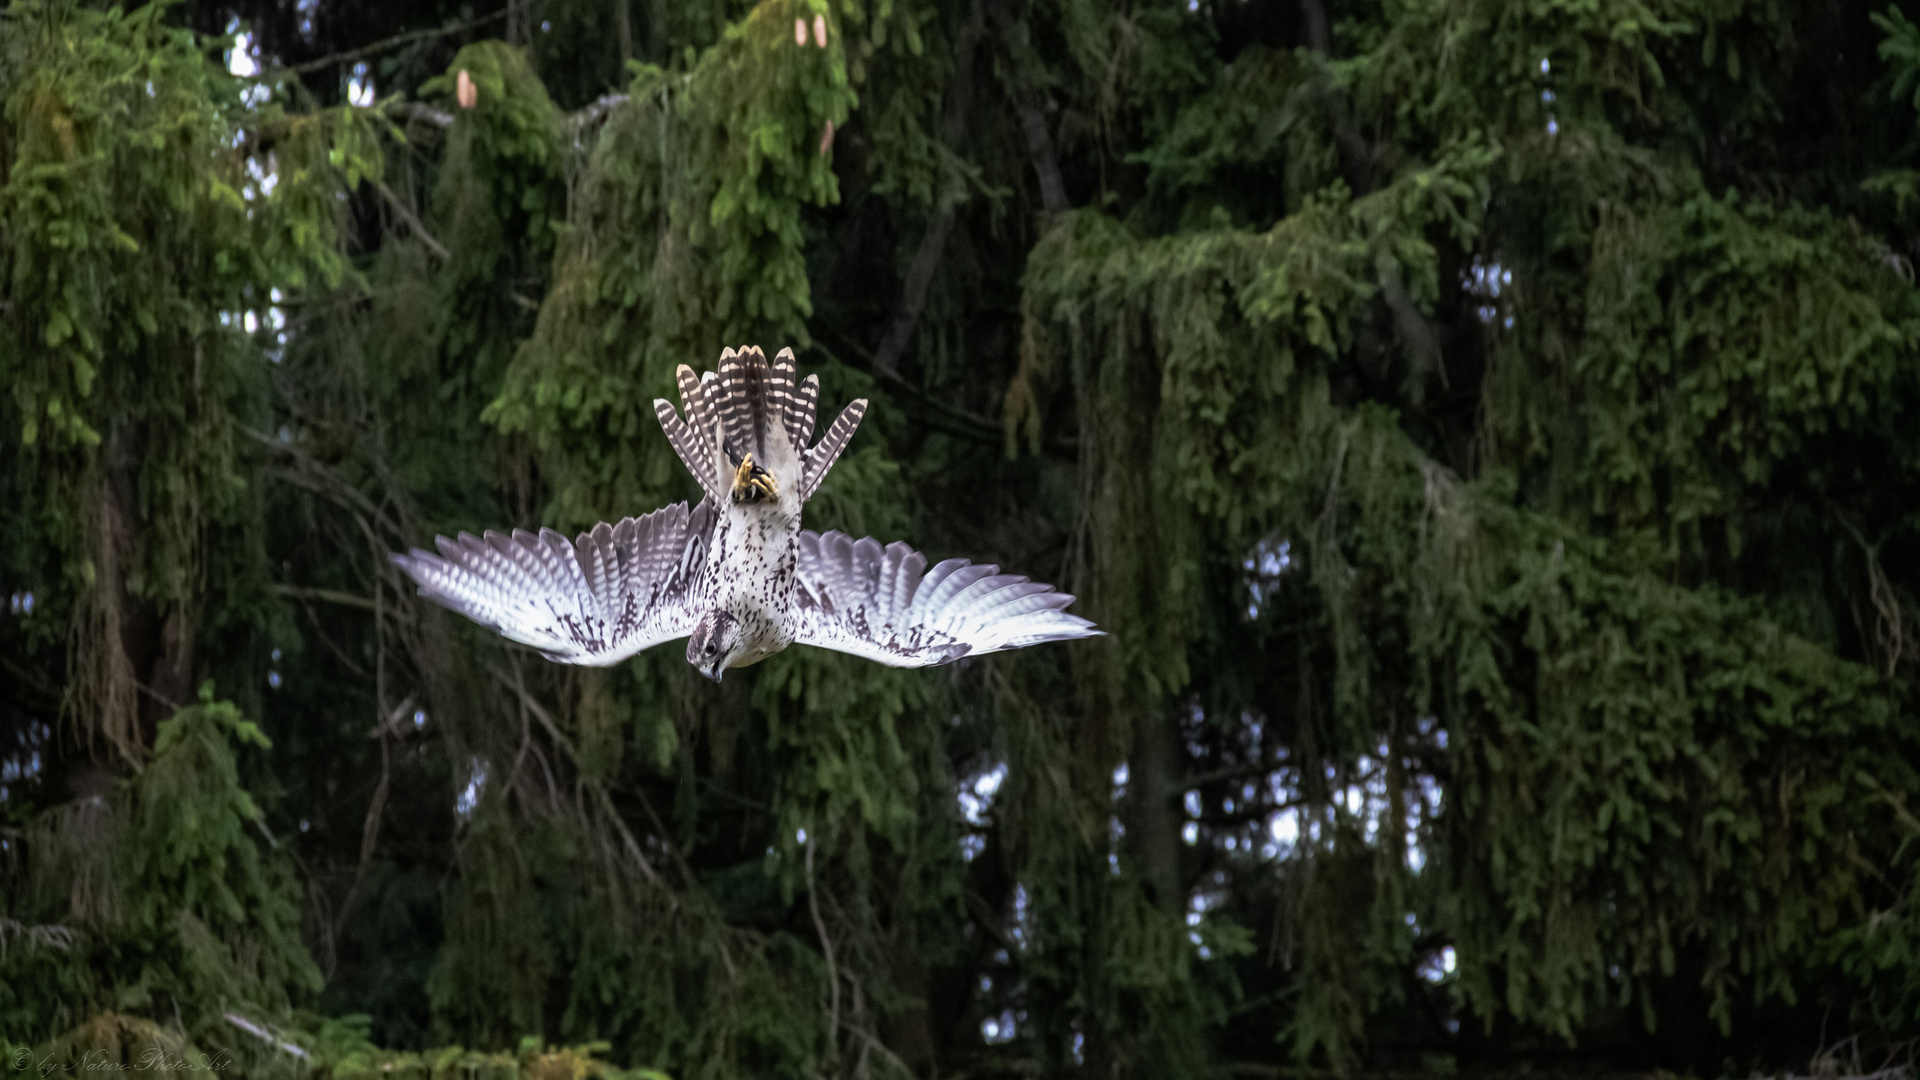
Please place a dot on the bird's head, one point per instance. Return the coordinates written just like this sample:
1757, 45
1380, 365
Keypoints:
714, 644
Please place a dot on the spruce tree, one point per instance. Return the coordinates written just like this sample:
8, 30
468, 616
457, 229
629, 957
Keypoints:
1480, 425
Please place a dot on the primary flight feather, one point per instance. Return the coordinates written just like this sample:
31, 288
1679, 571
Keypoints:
736, 575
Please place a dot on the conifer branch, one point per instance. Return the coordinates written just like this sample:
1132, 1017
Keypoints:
264, 1034
592, 112
1357, 160
415, 110
586, 116
394, 42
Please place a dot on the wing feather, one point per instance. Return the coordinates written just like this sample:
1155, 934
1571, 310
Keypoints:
962, 578
883, 604
904, 569
594, 600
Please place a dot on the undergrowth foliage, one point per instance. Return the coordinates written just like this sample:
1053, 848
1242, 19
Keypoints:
1485, 431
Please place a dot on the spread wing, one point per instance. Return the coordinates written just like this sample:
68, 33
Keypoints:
595, 601
884, 604
749, 406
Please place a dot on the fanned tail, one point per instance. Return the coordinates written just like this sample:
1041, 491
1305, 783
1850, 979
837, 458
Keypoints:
745, 408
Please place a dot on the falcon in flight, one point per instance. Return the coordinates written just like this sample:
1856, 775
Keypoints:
736, 575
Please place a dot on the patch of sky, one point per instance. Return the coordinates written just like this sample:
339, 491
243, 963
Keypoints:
1200, 902
24, 764
360, 86
261, 179
1486, 281
243, 62
240, 58
1437, 965
974, 795
1271, 557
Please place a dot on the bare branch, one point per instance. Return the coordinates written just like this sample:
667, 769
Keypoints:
826, 947
926, 260
394, 42
1033, 124
324, 596
413, 221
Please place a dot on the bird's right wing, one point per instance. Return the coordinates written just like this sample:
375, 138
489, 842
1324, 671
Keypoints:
884, 604
594, 601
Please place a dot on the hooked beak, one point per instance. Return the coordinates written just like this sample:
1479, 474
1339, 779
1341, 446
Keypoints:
713, 672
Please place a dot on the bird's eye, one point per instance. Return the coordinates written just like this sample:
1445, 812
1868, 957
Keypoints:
710, 649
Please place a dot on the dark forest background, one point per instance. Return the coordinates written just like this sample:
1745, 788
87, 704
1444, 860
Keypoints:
1489, 431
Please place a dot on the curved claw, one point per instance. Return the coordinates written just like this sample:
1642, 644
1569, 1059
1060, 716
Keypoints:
752, 484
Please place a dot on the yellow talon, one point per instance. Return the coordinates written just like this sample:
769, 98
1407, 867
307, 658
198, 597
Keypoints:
752, 484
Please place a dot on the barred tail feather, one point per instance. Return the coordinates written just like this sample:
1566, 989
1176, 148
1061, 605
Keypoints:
744, 400
821, 458
694, 447
783, 394
805, 406
693, 399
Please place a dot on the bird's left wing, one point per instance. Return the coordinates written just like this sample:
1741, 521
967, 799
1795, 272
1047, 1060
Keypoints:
884, 604
594, 601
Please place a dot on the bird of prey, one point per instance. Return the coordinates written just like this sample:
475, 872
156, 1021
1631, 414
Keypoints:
736, 575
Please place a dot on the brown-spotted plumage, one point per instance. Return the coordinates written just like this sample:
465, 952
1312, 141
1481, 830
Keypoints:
737, 575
